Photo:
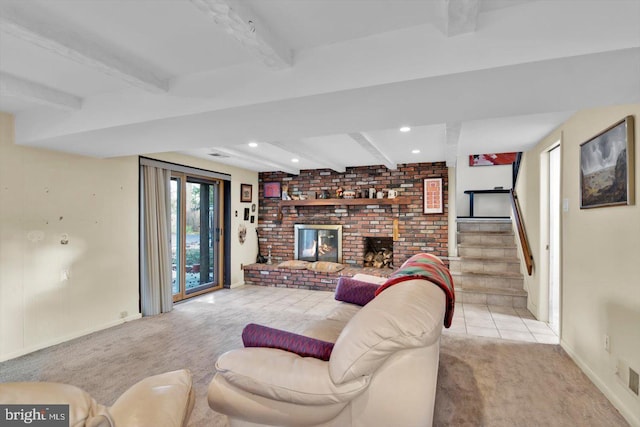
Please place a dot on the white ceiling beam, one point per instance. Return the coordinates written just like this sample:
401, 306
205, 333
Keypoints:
323, 161
453, 137
458, 16
240, 22
80, 48
374, 150
256, 160
27, 90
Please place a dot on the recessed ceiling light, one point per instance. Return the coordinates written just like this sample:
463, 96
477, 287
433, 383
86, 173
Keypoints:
405, 129
416, 151
253, 144
295, 160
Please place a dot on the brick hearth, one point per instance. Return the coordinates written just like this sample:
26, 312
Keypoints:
417, 232
271, 275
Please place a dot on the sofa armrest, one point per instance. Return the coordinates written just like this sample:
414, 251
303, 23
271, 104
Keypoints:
164, 400
284, 376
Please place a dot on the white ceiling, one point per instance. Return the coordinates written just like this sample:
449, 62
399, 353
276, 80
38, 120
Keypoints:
327, 82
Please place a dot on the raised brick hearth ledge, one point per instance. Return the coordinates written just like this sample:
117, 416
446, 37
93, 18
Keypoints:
271, 275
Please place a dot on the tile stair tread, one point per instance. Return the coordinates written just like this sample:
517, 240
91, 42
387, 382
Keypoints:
491, 233
485, 246
492, 291
509, 260
484, 220
502, 275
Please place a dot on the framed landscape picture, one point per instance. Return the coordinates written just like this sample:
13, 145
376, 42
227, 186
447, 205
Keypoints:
606, 167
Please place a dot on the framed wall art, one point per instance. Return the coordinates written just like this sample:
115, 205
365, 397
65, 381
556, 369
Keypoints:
432, 196
607, 167
492, 159
246, 191
272, 190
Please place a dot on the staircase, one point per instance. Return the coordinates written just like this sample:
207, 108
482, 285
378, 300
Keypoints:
487, 268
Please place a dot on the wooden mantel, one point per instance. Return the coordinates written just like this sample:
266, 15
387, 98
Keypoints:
346, 202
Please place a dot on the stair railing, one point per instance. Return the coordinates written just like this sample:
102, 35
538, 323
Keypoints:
517, 217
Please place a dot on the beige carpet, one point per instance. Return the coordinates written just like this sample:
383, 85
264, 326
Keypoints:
482, 382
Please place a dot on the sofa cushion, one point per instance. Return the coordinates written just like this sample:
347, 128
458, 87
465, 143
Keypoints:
163, 400
401, 317
369, 278
285, 376
355, 291
262, 336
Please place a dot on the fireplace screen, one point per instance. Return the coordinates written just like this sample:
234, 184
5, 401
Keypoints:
318, 242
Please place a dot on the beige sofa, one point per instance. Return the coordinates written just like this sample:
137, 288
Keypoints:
382, 370
164, 400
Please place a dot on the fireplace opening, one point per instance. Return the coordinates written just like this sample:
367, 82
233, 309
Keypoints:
378, 252
318, 242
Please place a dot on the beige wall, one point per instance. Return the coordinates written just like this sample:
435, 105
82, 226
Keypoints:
599, 266
45, 194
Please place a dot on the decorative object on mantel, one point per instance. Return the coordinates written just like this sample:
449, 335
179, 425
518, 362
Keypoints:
392, 194
285, 193
246, 191
607, 167
349, 194
432, 196
272, 190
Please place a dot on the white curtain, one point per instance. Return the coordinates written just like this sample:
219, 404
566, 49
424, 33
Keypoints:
155, 242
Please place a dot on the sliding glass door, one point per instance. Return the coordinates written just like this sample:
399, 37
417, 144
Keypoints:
196, 247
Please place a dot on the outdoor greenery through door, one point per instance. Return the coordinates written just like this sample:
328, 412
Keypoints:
195, 235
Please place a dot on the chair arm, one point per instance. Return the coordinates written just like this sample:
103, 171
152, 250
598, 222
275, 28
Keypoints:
285, 376
164, 400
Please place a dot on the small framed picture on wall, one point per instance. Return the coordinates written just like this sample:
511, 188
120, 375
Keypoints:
246, 193
433, 196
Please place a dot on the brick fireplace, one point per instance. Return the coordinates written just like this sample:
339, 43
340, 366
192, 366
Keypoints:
416, 232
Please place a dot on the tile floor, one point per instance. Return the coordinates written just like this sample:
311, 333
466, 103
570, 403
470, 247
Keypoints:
472, 319
509, 323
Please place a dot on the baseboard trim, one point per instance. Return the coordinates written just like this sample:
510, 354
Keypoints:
68, 337
609, 394
236, 285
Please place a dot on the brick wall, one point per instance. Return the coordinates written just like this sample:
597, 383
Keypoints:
417, 232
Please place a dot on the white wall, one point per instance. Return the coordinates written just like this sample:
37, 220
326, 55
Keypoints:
600, 284
482, 178
95, 203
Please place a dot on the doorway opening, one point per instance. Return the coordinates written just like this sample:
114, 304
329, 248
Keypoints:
554, 238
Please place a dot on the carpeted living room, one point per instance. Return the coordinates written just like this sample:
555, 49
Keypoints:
309, 213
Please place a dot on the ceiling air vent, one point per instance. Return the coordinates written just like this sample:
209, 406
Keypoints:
218, 155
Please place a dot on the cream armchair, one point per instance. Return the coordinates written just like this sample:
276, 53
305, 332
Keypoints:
382, 370
164, 400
